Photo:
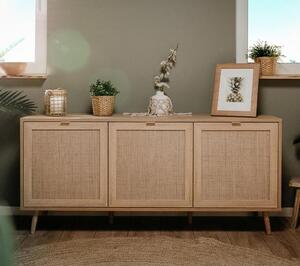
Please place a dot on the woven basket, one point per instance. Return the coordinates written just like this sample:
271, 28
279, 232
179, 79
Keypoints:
55, 101
267, 65
103, 105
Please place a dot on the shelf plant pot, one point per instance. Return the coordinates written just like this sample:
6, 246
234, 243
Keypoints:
103, 105
267, 65
13, 68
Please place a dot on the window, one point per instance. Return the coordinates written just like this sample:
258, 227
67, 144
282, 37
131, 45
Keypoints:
274, 21
23, 33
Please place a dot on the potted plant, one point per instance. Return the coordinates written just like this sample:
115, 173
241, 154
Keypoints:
266, 55
103, 97
160, 104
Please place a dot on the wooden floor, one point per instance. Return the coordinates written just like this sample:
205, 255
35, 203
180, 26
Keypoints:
240, 231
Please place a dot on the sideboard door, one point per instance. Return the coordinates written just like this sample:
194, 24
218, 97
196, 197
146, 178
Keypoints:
64, 164
236, 165
150, 164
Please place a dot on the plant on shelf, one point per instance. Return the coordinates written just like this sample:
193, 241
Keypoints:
160, 104
103, 88
103, 97
266, 55
161, 81
15, 102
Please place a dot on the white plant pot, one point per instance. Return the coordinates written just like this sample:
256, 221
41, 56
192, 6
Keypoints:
160, 104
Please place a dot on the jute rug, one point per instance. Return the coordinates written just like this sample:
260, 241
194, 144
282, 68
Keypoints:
146, 251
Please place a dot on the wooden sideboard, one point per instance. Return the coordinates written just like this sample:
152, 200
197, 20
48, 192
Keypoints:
178, 163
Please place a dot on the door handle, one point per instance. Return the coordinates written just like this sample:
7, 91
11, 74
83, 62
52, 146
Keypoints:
150, 124
236, 123
65, 123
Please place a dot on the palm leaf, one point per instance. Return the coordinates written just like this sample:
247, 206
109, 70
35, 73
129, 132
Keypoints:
15, 102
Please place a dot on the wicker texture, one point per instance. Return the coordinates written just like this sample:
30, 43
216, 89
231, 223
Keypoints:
151, 165
146, 251
55, 102
103, 105
235, 165
149, 158
63, 176
267, 65
65, 165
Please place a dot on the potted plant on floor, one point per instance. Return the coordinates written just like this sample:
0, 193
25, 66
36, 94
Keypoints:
103, 97
267, 56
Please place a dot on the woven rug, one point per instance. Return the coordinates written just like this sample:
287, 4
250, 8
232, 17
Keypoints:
145, 251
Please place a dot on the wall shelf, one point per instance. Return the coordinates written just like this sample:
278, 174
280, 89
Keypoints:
23, 77
282, 76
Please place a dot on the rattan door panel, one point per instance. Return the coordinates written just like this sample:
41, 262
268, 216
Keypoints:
150, 164
65, 164
236, 165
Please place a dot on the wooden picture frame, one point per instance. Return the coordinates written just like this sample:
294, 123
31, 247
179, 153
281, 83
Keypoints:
235, 90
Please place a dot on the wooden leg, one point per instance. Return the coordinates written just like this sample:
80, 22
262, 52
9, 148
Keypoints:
267, 223
190, 217
34, 222
111, 217
296, 209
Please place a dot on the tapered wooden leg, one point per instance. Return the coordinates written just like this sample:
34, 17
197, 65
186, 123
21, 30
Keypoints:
111, 217
296, 209
34, 222
267, 223
190, 217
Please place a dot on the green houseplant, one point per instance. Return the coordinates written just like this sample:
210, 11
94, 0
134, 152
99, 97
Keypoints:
14, 102
266, 55
103, 97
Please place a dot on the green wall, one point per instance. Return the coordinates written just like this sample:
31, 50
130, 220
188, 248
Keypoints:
125, 40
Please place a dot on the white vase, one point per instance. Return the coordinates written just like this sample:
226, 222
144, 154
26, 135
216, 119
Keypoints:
160, 104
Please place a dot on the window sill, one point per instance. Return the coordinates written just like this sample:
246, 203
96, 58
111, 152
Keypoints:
36, 77
282, 76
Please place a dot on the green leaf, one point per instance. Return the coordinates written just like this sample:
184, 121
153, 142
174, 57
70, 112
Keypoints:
15, 102
103, 88
261, 49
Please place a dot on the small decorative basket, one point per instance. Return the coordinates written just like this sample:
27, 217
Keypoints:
103, 105
55, 102
267, 65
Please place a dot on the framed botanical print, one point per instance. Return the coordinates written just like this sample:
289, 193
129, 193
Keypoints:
235, 90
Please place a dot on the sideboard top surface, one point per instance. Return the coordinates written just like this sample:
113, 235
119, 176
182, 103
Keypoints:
173, 118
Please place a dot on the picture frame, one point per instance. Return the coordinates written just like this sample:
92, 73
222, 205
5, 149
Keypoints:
235, 90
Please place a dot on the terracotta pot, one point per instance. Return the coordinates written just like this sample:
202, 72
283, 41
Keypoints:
13, 68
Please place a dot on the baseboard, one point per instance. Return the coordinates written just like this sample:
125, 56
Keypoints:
286, 212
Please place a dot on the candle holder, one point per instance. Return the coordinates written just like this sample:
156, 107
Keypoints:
55, 102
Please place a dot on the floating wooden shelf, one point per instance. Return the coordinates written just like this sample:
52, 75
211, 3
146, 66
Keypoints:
282, 76
25, 77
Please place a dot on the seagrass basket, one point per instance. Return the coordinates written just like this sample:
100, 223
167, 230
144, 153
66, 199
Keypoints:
267, 65
103, 105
